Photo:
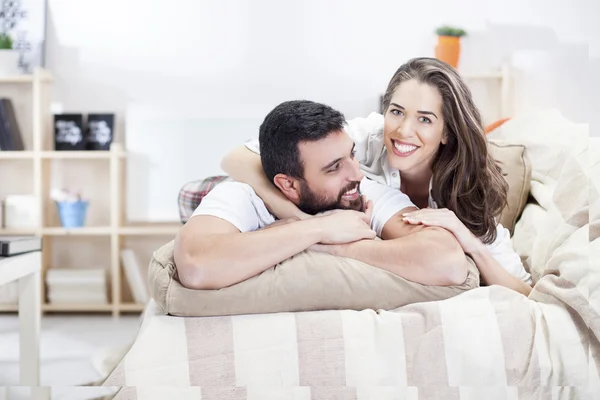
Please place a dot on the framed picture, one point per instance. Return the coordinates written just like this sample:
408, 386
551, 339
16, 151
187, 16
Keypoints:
25, 22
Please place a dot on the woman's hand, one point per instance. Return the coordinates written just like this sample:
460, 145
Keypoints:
446, 219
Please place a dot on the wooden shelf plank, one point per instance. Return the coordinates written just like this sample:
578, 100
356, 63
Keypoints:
132, 307
18, 232
79, 155
44, 76
77, 307
150, 230
16, 155
125, 307
84, 231
9, 307
17, 78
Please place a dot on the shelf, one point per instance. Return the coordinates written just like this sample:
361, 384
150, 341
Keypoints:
16, 155
156, 230
77, 307
79, 155
25, 78
9, 307
59, 155
132, 307
16, 79
84, 231
142, 230
125, 307
17, 232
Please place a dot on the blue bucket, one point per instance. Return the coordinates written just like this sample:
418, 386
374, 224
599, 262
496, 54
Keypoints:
72, 213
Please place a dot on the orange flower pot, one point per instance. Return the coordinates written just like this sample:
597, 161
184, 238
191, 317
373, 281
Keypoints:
448, 50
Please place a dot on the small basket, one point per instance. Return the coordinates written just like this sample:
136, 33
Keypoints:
72, 213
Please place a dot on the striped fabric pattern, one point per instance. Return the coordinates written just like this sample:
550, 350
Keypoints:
192, 193
487, 343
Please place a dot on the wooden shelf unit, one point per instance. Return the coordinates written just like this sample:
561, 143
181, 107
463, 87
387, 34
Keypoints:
110, 229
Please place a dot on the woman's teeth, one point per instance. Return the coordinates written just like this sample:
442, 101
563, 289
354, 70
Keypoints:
404, 148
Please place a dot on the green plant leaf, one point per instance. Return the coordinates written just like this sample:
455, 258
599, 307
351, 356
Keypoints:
447, 30
5, 41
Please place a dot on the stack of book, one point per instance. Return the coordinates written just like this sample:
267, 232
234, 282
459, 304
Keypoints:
10, 134
76, 286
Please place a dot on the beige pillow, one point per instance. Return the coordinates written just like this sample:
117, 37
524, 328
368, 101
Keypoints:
306, 282
516, 169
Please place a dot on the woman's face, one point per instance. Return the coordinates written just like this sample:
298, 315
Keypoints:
414, 126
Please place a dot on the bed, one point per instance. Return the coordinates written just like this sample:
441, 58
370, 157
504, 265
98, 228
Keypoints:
486, 343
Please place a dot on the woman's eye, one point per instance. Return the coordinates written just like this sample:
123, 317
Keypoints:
396, 112
425, 120
353, 154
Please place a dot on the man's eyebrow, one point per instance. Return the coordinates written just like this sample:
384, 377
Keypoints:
337, 160
331, 164
419, 111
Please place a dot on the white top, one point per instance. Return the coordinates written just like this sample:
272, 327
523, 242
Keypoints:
367, 134
238, 204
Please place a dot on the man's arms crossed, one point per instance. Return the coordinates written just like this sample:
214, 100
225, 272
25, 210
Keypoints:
211, 252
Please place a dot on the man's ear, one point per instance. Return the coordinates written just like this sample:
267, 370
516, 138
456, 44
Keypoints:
289, 186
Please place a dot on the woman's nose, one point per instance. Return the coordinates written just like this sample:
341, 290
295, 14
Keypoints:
406, 128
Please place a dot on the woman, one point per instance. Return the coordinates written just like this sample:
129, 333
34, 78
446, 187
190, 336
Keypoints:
430, 144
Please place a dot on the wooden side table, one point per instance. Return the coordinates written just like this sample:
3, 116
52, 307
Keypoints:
26, 268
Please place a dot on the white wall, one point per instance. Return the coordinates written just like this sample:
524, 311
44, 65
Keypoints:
209, 61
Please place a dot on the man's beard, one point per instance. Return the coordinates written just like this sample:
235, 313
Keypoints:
312, 203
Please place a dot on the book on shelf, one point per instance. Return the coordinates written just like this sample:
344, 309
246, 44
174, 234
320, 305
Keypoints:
10, 133
76, 286
133, 272
14, 245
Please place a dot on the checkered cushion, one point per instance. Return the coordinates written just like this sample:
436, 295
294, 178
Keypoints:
192, 193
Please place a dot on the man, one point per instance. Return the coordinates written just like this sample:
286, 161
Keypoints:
310, 158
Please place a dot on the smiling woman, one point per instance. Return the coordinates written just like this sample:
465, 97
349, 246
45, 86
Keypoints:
443, 157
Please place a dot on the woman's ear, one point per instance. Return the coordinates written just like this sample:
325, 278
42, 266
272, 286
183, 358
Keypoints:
288, 186
444, 137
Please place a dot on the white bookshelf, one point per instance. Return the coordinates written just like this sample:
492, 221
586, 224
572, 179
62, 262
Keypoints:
502, 78
106, 233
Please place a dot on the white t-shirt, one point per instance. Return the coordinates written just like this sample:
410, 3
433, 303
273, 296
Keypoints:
371, 153
238, 204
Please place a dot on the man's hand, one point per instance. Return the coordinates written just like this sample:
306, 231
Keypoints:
345, 226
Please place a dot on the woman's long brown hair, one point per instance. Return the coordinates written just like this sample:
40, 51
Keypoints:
466, 179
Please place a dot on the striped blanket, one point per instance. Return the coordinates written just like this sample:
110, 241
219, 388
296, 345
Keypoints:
488, 343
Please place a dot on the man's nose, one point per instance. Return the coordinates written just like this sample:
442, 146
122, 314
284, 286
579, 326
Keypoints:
357, 174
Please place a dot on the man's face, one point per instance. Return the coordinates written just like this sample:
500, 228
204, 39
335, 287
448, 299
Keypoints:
331, 175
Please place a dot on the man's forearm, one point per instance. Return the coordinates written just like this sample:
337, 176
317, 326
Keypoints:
221, 260
430, 257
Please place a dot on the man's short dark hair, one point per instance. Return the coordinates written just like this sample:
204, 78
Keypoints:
289, 124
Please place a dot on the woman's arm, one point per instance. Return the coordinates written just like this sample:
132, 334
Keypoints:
492, 272
244, 166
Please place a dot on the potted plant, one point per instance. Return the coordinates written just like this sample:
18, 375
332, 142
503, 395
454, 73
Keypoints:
448, 46
9, 58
